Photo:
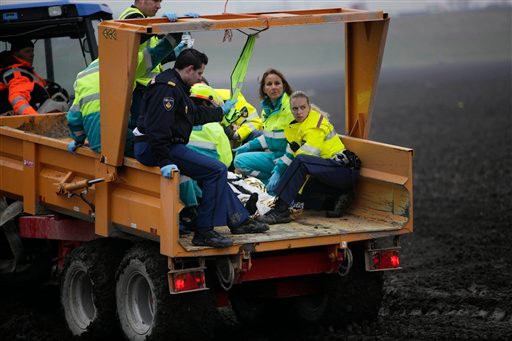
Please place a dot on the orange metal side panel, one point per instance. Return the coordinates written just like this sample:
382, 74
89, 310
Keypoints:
364, 47
386, 184
169, 215
30, 174
118, 57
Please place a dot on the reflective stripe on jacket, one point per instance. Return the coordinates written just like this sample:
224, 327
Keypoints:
151, 42
314, 136
210, 139
25, 87
276, 117
246, 124
83, 116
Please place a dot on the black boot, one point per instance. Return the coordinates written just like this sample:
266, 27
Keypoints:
211, 238
341, 205
279, 214
249, 226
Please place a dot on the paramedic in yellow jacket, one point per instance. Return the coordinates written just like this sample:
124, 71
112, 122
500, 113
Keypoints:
207, 139
147, 9
247, 127
314, 150
257, 157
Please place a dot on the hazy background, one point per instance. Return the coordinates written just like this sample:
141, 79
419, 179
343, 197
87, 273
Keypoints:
422, 35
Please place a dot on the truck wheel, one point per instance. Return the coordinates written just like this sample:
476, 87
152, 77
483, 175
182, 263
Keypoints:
147, 310
310, 308
87, 288
355, 297
34, 266
248, 310
251, 307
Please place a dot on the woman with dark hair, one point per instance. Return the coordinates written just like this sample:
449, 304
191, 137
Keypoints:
257, 157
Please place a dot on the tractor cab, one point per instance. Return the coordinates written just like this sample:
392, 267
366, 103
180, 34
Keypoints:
58, 28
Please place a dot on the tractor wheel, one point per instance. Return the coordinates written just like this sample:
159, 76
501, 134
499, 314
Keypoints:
310, 308
355, 297
88, 288
248, 310
147, 310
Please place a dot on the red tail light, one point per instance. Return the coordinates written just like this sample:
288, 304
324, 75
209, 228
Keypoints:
187, 281
385, 259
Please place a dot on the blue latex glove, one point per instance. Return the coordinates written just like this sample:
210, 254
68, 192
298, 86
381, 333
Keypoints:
272, 183
171, 16
72, 146
180, 47
242, 149
167, 170
228, 105
191, 14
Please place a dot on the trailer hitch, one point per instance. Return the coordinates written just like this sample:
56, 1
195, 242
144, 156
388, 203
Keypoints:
65, 187
69, 188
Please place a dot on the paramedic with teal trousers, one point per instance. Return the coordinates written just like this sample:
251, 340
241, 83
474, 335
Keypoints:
257, 157
146, 9
315, 154
163, 130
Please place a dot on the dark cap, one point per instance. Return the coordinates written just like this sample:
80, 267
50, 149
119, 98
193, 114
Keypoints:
19, 44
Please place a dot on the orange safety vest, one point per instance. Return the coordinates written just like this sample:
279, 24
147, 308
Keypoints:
21, 88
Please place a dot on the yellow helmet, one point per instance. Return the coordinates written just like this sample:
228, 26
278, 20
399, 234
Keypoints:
203, 91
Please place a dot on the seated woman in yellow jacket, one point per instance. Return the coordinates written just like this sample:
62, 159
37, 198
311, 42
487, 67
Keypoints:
314, 151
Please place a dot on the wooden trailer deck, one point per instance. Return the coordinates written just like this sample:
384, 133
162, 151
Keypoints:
310, 225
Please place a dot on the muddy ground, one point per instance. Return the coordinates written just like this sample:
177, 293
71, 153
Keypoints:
456, 281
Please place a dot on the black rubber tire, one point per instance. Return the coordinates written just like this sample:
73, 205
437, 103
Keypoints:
310, 308
355, 297
250, 311
145, 307
33, 269
88, 288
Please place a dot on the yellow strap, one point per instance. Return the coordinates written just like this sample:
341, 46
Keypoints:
171, 83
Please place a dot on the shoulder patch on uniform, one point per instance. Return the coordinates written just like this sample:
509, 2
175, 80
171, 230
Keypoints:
168, 103
171, 83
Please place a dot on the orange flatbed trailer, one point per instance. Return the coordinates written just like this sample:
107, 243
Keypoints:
120, 196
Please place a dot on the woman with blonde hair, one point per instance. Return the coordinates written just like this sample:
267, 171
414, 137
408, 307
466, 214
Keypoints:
314, 152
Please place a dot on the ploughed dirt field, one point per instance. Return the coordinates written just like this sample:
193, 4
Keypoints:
456, 281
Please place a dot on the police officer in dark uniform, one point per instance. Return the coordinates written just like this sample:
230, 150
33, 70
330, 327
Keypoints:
163, 129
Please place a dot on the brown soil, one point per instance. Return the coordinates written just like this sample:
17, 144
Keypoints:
54, 126
457, 266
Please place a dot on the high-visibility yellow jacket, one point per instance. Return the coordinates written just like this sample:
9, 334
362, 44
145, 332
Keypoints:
209, 139
84, 115
246, 124
314, 136
133, 12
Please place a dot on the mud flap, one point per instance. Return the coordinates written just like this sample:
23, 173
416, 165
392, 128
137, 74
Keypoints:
7, 213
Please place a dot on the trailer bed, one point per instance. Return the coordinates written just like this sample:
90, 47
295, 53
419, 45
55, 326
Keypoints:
139, 201
309, 225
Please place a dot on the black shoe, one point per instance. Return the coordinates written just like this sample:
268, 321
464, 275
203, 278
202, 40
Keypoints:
188, 217
250, 205
211, 238
249, 226
275, 216
184, 230
341, 205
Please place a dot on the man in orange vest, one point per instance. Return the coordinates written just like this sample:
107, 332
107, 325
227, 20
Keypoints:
22, 90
